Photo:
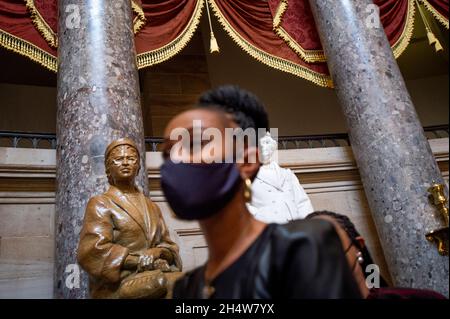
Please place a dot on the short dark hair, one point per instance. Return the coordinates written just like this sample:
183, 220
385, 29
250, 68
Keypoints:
247, 110
342, 220
348, 226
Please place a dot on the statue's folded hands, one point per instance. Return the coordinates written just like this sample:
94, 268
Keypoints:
160, 253
162, 265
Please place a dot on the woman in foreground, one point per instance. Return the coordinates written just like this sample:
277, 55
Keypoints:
247, 258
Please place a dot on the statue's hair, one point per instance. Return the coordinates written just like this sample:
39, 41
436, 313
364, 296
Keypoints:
272, 141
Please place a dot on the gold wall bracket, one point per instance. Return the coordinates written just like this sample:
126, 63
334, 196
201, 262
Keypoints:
439, 236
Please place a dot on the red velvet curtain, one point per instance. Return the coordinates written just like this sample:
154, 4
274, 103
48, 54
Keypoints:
169, 27
44, 15
398, 22
165, 21
17, 33
250, 24
294, 23
162, 27
278, 33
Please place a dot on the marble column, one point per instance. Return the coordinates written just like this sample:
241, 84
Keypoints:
98, 101
394, 158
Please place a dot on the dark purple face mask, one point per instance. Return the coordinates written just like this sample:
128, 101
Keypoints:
198, 191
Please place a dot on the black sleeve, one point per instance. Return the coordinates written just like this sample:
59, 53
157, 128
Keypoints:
189, 286
312, 262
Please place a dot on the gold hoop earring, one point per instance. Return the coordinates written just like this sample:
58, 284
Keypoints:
248, 190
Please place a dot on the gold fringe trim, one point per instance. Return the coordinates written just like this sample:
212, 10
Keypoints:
281, 10
175, 46
442, 19
405, 38
41, 25
29, 50
268, 59
140, 20
310, 56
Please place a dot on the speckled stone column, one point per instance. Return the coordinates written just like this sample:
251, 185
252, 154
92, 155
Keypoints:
98, 101
391, 150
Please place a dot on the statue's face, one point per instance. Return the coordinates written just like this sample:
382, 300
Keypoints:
123, 163
268, 147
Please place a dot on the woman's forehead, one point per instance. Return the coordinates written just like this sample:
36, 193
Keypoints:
207, 118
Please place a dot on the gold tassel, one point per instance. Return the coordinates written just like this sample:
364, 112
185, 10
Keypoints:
434, 42
438, 47
432, 39
214, 46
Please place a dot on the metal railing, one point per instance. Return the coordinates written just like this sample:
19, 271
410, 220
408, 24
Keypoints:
153, 144
27, 140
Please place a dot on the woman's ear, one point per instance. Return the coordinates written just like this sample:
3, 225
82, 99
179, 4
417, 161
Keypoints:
249, 163
361, 241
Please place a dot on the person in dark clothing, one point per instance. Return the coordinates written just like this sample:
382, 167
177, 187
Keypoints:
359, 259
247, 258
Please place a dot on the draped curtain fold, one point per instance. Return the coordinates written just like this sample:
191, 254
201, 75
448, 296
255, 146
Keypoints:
170, 26
19, 34
44, 17
293, 22
278, 33
162, 28
249, 23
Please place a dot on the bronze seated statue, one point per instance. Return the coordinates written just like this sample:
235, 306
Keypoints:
125, 245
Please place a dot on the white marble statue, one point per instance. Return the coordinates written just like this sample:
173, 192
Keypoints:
277, 196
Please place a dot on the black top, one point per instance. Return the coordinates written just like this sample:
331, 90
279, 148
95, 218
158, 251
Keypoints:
302, 259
